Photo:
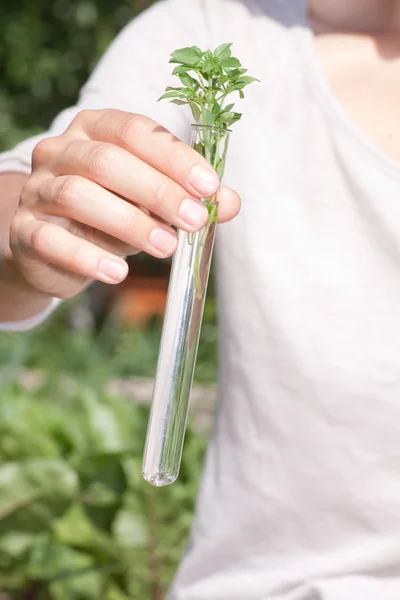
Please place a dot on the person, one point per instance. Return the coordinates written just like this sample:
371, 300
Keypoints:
300, 498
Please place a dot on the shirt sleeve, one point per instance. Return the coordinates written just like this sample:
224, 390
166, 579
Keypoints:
32, 322
131, 76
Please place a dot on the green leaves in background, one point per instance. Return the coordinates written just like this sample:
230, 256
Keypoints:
33, 493
76, 519
47, 51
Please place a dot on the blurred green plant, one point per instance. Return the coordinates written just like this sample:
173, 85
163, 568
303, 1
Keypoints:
47, 50
77, 522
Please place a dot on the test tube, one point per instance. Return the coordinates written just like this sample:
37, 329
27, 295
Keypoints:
181, 329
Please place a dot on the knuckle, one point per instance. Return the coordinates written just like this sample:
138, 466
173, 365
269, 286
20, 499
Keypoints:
160, 194
132, 124
30, 191
43, 151
98, 156
82, 117
20, 233
16, 231
38, 237
68, 191
128, 223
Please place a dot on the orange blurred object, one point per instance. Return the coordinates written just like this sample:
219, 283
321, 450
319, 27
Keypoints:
140, 299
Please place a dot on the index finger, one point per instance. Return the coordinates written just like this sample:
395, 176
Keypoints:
153, 144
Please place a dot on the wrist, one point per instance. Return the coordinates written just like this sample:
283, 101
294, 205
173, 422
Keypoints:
19, 300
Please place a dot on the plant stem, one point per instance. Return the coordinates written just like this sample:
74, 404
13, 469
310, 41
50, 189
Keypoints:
212, 207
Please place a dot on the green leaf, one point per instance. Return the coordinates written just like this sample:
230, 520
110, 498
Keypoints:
187, 92
181, 69
230, 63
129, 530
209, 66
15, 545
247, 80
238, 85
13, 578
188, 80
106, 429
175, 94
236, 73
223, 51
187, 56
228, 108
198, 50
85, 584
216, 110
220, 168
114, 593
76, 529
227, 117
103, 482
200, 149
34, 493
179, 102
195, 111
68, 572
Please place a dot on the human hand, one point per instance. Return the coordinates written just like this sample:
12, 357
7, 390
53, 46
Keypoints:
111, 185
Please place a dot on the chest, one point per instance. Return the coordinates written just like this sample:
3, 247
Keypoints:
364, 76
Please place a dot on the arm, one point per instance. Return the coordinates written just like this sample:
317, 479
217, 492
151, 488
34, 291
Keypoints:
18, 299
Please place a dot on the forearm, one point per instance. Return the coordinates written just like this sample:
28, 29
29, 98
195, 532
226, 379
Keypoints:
18, 299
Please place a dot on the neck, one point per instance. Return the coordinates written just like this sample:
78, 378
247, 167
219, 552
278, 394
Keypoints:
376, 17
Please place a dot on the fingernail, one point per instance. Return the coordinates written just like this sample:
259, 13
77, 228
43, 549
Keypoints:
203, 180
163, 241
112, 270
193, 212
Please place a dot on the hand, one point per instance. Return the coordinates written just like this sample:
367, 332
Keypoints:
108, 187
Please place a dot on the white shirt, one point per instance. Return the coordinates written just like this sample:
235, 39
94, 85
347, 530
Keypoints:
300, 498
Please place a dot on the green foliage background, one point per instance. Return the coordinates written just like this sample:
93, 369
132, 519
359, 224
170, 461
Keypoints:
77, 521
47, 50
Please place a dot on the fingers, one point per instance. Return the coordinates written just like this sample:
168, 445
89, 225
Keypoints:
154, 145
45, 242
117, 170
59, 263
229, 204
113, 187
86, 202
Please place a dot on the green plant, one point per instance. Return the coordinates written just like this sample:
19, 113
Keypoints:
208, 79
77, 522
48, 49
